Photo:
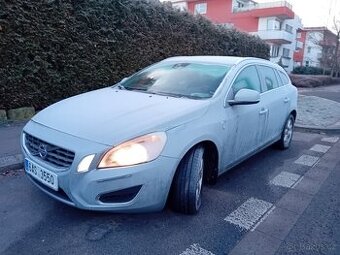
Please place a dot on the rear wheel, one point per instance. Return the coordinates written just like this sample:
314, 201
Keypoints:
287, 133
188, 182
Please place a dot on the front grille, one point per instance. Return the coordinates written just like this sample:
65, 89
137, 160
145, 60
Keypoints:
49, 153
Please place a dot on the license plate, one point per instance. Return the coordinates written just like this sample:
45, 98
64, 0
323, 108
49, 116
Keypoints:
47, 177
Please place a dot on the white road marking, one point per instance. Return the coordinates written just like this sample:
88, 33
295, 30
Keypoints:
320, 148
307, 160
333, 139
285, 179
249, 213
196, 249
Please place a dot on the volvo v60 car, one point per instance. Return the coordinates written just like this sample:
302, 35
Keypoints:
159, 134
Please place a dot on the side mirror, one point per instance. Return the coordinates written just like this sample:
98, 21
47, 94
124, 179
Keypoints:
245, 96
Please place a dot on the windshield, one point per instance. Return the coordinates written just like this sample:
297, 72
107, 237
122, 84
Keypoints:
192, 80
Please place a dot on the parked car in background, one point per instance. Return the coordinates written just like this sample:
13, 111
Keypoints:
159, 134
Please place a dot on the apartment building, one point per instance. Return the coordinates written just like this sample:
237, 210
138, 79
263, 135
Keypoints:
274, 22
318, 49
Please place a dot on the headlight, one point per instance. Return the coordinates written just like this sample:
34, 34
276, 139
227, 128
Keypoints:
139, 150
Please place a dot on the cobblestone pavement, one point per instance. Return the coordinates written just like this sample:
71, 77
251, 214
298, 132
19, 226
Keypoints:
317, 112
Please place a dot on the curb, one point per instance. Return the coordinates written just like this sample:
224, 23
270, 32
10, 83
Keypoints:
11, 162
10, 123
314, 129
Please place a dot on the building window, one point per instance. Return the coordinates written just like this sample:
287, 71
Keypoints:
201, 8
289, 28
240, 4
298, 46
273, 24
180, 6
274, 51
309, 49
298, 35
285, 53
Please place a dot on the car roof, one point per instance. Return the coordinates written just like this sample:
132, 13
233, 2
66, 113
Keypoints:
226, 60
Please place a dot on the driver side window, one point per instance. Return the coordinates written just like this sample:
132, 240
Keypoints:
248, 78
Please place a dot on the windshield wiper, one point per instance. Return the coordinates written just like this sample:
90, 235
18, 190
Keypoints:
167, 94
121, 87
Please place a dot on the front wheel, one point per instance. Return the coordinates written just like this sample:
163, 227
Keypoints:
287, 133
188, 182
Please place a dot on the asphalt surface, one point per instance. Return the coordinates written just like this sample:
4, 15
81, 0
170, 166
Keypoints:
328, 92
33, 223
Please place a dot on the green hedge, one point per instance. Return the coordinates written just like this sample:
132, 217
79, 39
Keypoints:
53, 49
308, 70
310, 81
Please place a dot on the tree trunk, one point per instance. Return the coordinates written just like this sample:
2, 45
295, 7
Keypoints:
335, 66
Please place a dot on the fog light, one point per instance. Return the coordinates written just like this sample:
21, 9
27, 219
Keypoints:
85, 163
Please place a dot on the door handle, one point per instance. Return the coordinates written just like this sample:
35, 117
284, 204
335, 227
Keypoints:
263, 111
286, 100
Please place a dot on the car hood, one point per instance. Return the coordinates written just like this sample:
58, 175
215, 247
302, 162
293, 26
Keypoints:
110, 116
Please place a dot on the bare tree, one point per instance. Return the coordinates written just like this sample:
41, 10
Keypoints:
322, 41
327, 43
335, 67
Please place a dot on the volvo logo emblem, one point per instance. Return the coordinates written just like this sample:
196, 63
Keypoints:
42, 150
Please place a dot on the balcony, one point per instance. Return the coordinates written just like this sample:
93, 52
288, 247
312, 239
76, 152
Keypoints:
280, 9
275, 36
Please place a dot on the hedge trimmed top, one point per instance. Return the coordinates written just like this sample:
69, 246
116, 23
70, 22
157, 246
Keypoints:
53, 49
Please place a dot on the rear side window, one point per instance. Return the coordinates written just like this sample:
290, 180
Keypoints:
248, 78
269, 77
283, 77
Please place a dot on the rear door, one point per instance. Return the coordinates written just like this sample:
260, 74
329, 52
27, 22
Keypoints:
275, 98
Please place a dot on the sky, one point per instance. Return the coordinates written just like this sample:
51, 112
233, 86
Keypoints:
315, 13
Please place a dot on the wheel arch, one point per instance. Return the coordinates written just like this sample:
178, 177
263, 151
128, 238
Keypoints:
210, 170
211, 160
294, 113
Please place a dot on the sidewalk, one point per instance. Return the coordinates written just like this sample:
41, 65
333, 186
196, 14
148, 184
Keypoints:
318, 113
314, 114
10, 152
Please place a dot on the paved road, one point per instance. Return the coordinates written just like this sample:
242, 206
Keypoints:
328, 92
307, 223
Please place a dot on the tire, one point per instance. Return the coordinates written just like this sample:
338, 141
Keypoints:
188, 181
287, 133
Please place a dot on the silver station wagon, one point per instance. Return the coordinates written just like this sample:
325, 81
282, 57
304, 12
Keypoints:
160, 134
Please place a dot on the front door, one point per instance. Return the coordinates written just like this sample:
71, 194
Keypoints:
245, 124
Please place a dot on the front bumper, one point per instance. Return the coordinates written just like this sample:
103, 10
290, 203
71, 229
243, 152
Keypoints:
150, 181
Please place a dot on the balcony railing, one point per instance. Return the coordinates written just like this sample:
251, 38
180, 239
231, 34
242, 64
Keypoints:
263, 6
275, 35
